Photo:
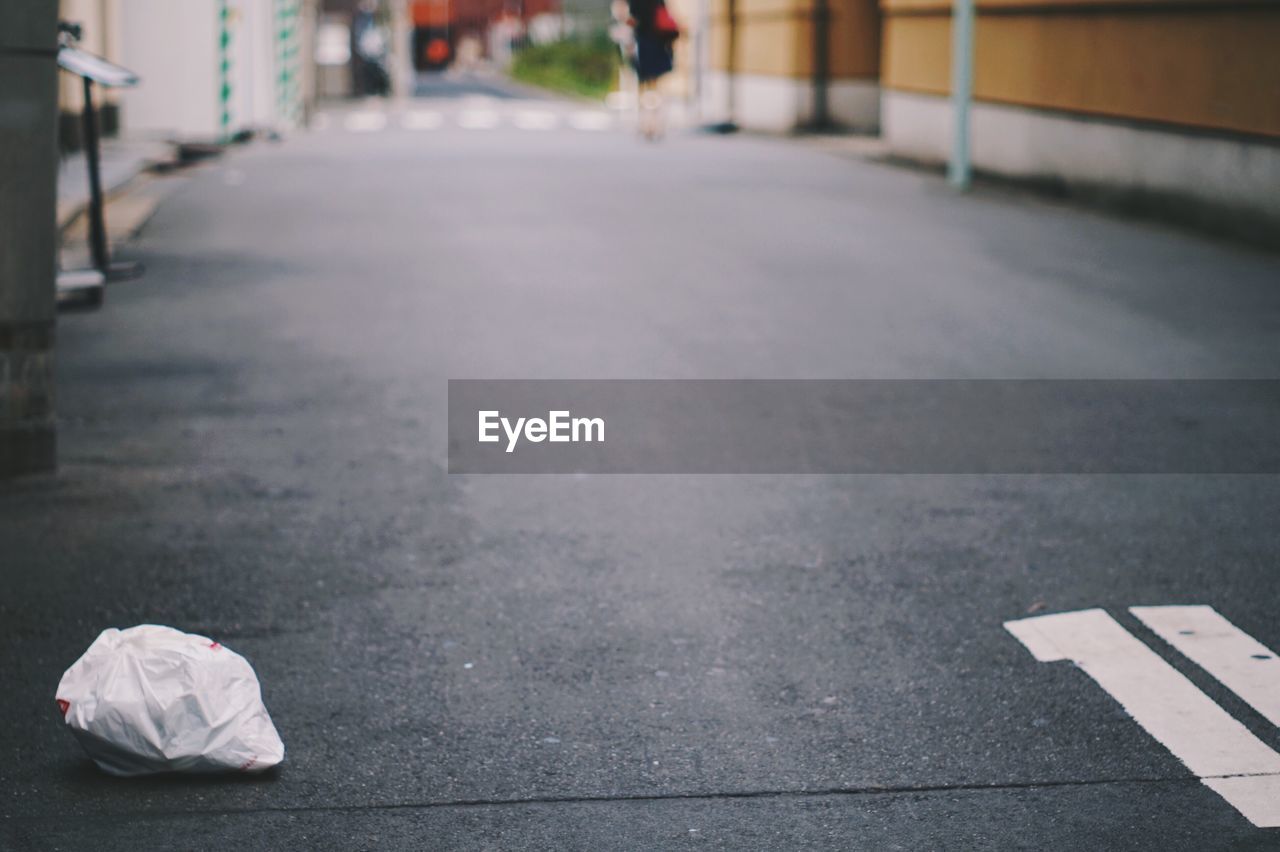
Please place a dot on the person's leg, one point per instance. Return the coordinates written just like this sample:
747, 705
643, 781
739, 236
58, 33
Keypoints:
659, 110
644, 108
641, 86
652, 105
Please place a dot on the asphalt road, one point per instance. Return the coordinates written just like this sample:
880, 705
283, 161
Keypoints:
253, 448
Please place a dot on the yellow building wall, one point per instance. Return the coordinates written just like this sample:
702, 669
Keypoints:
1212, 65
775, 38
100, 25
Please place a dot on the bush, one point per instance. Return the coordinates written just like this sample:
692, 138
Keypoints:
587, 66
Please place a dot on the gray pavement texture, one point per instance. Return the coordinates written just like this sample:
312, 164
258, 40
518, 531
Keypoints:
121, 161
450, 85
253, 448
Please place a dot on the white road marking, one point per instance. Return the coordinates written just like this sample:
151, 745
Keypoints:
620, 100
591, 120
1243, 664
1255, 796
531, 119
421, 119
1218, 749
478, 119
365, 122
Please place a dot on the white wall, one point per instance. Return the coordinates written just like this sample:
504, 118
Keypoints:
782, 104
173, 45
1234, 173
254, 64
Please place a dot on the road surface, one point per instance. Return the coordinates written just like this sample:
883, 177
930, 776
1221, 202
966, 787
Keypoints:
252, 444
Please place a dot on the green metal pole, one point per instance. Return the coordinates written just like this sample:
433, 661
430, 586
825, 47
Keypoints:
288, 36
224, 72
282, 68
959, 169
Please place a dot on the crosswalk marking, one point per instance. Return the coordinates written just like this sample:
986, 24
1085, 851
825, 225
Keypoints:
620, 100
535, 119
421, 120
590, 120
1241, 663
365, 122
479, 119
476, 113
1226, 757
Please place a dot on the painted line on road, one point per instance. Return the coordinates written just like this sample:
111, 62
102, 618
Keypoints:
365, 122
421, 120
1228, 759
591, 120
535, 120
1241, 663
479, 119
620, 100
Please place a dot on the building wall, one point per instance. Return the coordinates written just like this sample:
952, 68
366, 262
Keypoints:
28, 245
174, 48
99, 20
1160, 101
100, 26
772, 67
1213, 65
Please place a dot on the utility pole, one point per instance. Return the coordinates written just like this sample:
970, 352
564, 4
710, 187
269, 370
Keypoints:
28, 197
821, 119
730, 123
959, 169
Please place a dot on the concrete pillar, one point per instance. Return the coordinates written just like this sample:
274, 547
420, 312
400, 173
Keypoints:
28, 191
400, 56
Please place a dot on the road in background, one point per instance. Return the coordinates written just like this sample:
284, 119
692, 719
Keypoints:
253, 447
450, 84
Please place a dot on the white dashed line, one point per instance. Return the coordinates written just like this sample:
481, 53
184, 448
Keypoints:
535, 120
478, 113
365, 122
591, 120
421, 120
1218, 749
1242, 664
620, 100
479, 119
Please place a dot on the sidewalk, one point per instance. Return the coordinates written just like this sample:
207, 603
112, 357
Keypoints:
122, 161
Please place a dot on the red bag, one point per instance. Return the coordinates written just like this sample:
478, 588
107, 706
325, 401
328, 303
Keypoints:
665, 25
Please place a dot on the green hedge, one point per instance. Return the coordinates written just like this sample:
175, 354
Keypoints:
587, 66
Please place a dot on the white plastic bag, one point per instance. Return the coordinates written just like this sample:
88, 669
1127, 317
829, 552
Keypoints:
154, 699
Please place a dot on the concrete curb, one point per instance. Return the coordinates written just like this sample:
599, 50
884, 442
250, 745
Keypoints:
115, 178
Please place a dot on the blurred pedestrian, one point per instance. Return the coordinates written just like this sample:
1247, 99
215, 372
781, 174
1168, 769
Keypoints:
655, 34
624, 36
369, 52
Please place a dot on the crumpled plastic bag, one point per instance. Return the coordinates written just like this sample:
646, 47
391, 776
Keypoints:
153, 699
